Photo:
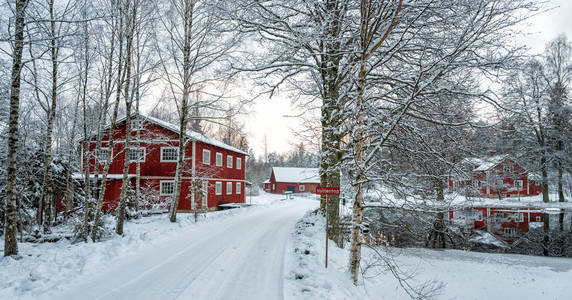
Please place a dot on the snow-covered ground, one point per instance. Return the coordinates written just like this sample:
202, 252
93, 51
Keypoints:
233, 254
265, 251
463, 274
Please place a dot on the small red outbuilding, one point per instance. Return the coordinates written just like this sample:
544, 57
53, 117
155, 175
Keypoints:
295, 180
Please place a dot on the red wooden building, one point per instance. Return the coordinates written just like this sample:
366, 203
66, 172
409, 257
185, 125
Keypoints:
295, 180
217, 169
493, 176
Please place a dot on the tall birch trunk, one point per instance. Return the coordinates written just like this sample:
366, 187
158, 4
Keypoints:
188, 25
130, 24
11, 212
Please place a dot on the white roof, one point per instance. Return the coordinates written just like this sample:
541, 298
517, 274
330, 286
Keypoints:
81, 176
484, 164
298, 175
193, 135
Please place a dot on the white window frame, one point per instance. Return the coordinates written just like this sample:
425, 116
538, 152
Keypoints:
518, 186
229, 161
538, 219
99, 152
161, 192
135, 126
176, 154
510, 232
508, 168
238, 163
302, 188
519, 217
218, 162
206, 153
218, 188
229, 188
133, 149
478, 215
238, 189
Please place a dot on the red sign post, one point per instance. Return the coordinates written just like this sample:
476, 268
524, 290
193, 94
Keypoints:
329, 190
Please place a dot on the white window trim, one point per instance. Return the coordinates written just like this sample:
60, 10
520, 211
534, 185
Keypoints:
205, 151
217, 163
133, 128
218, 188
538, 219
238, 188
238, 163
509, 167
176, 151
105, 158
161, 187
519, 187
519, 217
301, 188
135, 149
229, 161
229, 188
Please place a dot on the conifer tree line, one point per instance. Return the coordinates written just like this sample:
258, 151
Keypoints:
393, 89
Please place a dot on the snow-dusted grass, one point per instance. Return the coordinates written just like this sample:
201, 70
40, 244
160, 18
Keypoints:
45, 267
465, 275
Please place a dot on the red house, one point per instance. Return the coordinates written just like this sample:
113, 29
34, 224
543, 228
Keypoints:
295, 180
217, 169
493, 176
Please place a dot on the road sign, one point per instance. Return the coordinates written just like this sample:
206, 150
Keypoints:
329, 190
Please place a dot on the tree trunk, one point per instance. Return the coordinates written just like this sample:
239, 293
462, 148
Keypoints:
360, 176
130, 22
188, 23
10, 234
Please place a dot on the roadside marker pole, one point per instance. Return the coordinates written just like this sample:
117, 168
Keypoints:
327, 202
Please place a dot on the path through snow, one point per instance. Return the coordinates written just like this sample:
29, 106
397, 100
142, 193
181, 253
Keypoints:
240, 257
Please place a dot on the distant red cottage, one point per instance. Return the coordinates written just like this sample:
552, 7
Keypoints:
295, 180
218, 169
493, 176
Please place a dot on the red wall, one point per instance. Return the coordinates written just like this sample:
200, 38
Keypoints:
154, 137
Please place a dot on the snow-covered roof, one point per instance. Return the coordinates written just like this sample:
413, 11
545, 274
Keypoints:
267, 181
298, 175
81, 176
485, 163
193, 135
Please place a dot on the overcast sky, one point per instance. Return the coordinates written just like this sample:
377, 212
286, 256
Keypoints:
268, 116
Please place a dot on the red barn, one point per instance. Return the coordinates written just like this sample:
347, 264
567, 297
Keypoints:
217, 169
493, 176
295, 180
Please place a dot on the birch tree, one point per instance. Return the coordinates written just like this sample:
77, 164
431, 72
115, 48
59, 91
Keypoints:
10, 242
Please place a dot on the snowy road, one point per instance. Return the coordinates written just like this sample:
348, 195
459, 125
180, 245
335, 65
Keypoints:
239, 257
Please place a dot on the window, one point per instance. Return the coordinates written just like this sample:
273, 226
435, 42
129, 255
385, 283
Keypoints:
476, 183
273, 186
135, 124
478, 215
137, 154
538, 219
218, 159
302, 188
519, 217
229, 161
518, 184
229, 188
102, 154
238, 188
238, 163
508, 169
206, 157
510, 232
169, 154
167, 188
218, 188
